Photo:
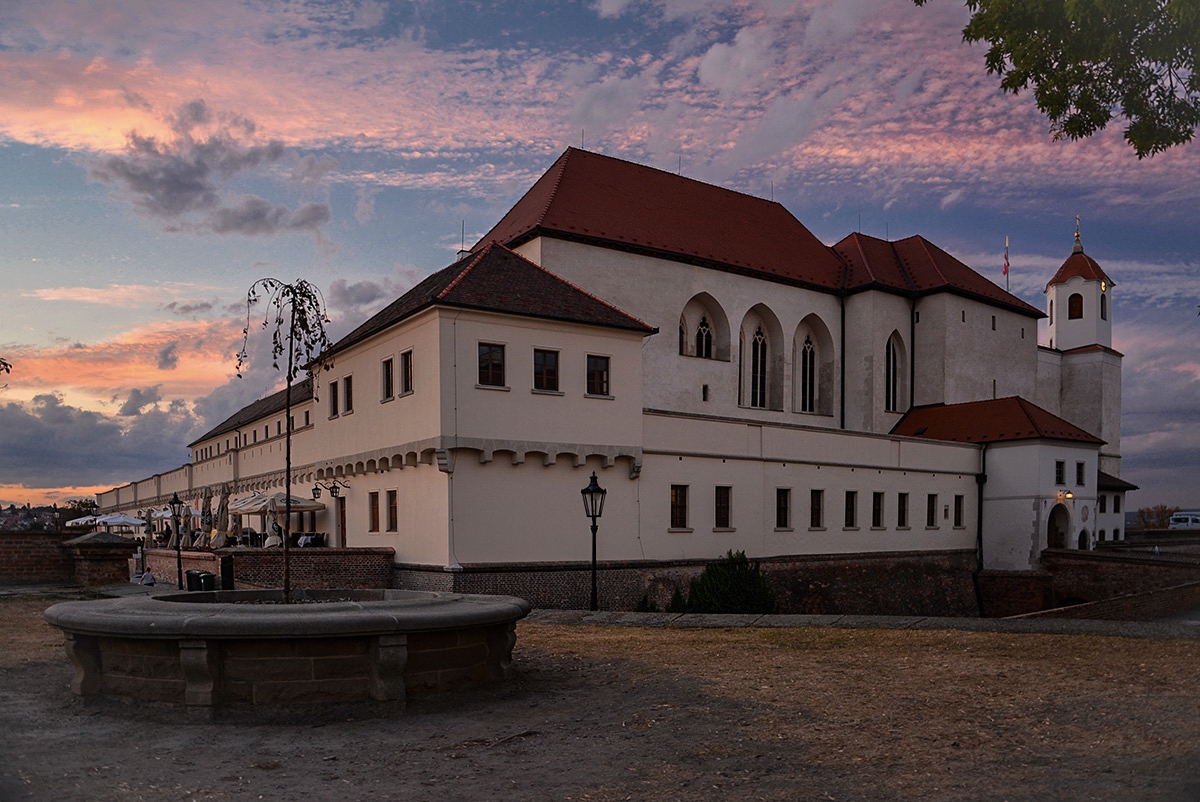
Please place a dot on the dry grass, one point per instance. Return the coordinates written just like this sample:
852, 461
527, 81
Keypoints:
613, 713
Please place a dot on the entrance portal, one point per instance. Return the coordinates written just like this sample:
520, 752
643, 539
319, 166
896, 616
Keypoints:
1056, 528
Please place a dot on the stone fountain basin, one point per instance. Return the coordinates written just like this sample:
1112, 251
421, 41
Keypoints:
218, 649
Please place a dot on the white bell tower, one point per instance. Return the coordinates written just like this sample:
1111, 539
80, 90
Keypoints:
1079, 302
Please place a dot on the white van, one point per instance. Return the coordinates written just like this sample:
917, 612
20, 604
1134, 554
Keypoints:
1189, 519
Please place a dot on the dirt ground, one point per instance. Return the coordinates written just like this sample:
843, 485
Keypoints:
616, 713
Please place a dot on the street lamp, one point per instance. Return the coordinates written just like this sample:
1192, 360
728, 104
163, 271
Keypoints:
334, 488
593, 507
176, 514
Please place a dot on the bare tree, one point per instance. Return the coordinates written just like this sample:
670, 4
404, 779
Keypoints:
295, 315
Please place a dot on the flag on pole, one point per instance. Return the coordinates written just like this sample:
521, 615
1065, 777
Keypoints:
1006, 256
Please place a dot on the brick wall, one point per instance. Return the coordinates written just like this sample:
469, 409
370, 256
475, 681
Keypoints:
1133, 607
97, 564
28, 558
880, 584
1009, 593
1088, 576
263, 568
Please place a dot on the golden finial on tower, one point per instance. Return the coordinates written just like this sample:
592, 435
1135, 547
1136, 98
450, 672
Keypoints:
1078, 244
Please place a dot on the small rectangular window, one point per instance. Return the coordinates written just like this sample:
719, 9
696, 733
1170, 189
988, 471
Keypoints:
679, 506
348, 394
1103, 501
406, 372
783, 508
597, 375
877, 510
1079, 474
958, 511
393, 517
373, 511
1116, 503
306, 417
387, 380
723, 498
931, 510
491, 365
816, 515
545, 370
1116, 534
267, 432
851, 509
902, 510
278, 428
993, 322
1060, 472
333, 399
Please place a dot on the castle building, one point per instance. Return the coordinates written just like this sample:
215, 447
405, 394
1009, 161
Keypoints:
860, 415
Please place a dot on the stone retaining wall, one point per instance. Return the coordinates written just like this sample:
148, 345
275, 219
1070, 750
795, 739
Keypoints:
29, 558
876, 584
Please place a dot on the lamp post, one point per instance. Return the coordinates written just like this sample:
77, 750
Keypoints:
145, 540
593, 507
176, 514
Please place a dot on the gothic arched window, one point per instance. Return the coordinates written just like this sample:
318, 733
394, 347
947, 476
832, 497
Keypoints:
758, 369
704, 339
808, 376
891, 378
682, 337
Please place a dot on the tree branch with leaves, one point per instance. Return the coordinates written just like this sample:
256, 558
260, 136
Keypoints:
296, 317
1090, 60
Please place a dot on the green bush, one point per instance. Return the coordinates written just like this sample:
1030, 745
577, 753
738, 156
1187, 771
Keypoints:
646, 605
730, 585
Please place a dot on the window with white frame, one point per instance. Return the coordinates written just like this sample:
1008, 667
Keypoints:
406, 372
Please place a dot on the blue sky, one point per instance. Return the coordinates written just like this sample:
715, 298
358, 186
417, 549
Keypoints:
156, 157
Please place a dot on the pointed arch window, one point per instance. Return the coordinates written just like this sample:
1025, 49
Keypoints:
808, 376
758, 369
891, 378
1052, 313
704, 339
682, 336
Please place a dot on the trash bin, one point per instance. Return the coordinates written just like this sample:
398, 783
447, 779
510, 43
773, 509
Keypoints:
192, 577
208, 580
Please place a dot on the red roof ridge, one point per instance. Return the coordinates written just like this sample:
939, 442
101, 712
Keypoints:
933, 262
463, 273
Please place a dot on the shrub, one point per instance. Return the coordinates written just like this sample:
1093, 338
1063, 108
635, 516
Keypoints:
730, 585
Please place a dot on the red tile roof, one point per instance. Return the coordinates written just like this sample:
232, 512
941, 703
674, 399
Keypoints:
1081, 265
610, 202
993, 421
915, 264
496, 279
590, 197
1106, 481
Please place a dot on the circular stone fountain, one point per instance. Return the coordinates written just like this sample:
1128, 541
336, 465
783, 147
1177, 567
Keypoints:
218, 649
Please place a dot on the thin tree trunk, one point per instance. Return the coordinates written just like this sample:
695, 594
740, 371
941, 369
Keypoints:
287, 469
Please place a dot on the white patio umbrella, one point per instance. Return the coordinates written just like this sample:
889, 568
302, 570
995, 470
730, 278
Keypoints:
119, 519
87, 520
260, 503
